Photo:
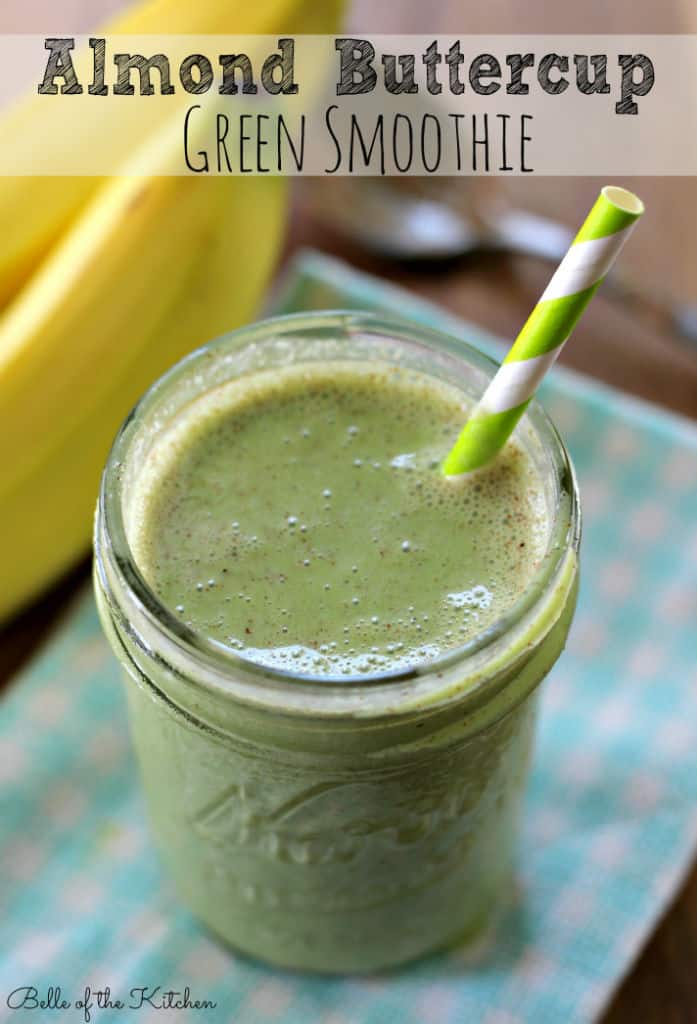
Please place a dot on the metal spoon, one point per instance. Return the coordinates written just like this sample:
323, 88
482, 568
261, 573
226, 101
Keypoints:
406, 226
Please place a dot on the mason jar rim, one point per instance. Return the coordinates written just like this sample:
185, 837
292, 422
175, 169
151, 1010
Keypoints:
112, 545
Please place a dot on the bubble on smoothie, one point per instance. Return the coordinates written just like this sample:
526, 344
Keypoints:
476, 597
407, 460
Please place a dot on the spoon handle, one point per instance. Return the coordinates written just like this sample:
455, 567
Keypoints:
530, 234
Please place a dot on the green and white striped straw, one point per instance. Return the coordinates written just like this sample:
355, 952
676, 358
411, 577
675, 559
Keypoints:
548, 327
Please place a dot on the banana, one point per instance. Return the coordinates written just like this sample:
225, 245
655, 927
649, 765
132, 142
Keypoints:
105, 283
153, 267
35, 210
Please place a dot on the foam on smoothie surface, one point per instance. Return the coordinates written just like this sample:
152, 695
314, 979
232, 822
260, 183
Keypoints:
299, 517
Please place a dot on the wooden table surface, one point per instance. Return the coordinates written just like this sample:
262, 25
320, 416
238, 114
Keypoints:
612, 343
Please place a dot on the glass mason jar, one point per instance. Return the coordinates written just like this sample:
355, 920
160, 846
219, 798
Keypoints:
316, 822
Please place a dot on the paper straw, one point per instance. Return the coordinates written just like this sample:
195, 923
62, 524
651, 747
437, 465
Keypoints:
590, 256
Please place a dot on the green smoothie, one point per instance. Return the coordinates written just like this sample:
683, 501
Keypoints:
300, 518
332, 652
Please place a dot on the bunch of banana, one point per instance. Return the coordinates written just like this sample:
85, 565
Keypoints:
106, 282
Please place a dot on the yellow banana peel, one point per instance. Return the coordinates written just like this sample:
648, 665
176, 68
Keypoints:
45, 520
